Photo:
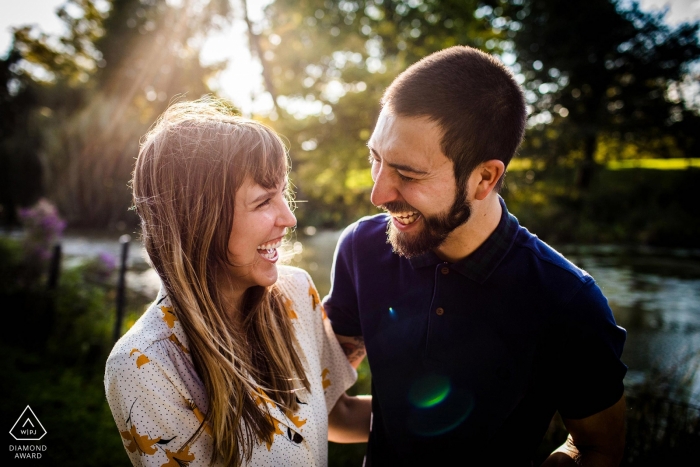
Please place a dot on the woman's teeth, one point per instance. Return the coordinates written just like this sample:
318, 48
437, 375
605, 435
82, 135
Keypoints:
407, 218
269, 250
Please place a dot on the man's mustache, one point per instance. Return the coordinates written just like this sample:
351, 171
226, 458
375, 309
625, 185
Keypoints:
398, 206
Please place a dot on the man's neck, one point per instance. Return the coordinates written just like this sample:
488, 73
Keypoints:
465, 239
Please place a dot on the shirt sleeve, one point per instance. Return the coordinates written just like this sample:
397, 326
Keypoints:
337, 375
341, 302
156, 420
591, 370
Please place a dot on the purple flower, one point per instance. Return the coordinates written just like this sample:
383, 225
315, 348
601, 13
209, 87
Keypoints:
107, 261
43, 227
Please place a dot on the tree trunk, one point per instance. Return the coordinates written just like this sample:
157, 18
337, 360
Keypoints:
256, 51
584, 173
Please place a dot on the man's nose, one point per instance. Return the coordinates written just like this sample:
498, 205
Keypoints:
383, 190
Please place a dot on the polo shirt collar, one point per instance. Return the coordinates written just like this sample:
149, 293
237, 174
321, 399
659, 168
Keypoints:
479, 265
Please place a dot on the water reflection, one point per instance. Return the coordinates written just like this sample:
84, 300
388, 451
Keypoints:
654, 294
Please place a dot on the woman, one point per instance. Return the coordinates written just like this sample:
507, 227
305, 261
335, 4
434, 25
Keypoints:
235, 362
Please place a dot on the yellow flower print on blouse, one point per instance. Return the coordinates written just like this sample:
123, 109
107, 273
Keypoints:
290, 311
316, 300
278, 431
181, 458
168, 316
135, 442
324, 376
173, 338
262, 397
298, 422
141, 360
200, 416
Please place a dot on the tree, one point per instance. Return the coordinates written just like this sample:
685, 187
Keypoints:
20, 167
329, 62
603, 72
109, 77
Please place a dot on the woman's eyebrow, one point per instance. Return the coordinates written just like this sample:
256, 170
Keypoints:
402, 167
264, 196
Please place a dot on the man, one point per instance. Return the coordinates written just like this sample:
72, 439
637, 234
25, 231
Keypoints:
476, 331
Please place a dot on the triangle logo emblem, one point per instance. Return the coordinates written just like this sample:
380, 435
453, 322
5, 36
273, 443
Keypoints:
28, 427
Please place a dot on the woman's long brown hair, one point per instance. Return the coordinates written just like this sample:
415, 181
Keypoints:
189, 168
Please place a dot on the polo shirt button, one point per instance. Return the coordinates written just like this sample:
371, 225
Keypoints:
439, 311
445, 270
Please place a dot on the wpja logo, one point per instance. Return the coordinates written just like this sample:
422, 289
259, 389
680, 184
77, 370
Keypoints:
28, 428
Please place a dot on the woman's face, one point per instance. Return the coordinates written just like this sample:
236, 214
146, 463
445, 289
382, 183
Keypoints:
260, 221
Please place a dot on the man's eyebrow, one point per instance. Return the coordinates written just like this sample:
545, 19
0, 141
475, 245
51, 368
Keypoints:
402, 167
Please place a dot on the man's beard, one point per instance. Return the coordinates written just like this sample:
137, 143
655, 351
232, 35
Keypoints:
435, 229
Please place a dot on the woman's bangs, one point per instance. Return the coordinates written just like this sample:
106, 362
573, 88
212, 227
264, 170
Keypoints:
268, 161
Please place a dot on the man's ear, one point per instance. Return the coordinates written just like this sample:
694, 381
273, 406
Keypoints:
486, 176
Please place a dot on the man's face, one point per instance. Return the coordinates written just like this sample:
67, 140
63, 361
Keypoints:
414, 181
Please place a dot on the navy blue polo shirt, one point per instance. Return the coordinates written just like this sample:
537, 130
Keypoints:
476, 355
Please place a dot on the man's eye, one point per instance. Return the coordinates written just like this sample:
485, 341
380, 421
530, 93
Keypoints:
371, 159
405, 178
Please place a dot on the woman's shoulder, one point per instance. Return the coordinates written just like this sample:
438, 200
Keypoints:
298, 289
291, 276
152, 327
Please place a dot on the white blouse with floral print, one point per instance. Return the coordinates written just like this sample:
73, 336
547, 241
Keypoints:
158, 401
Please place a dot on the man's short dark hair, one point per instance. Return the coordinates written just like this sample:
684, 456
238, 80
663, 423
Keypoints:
474, 99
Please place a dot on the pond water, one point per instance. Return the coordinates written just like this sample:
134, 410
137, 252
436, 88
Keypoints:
654, 293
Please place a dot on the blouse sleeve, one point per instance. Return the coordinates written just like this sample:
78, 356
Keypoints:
337, 375
155, 415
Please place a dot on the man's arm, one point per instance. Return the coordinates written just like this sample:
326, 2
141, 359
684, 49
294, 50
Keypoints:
349, 421
598, 440
354, 348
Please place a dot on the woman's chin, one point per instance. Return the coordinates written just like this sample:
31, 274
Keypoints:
267, 278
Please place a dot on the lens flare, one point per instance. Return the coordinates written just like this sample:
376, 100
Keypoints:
438, 407
429, 391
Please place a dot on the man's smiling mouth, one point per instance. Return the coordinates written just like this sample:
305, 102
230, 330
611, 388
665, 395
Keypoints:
406, 218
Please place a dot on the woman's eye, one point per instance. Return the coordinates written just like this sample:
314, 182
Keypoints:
265, 203
371, 159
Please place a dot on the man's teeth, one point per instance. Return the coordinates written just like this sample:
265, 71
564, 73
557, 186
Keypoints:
406, 218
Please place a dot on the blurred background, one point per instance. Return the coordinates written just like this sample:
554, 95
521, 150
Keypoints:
608, 172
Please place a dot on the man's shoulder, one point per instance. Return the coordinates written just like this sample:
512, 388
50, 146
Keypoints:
368, 230
547, 257
368, 226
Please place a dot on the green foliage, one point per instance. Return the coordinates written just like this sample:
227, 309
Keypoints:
663, 428
632, 206
329, 63
591, 94
70, 404
20, 167
53, 360
618, 80
102, 84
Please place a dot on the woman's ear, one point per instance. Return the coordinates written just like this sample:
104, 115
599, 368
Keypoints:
485, 178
